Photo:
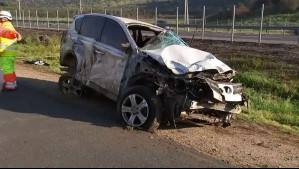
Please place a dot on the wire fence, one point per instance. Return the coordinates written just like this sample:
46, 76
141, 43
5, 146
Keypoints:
236, 28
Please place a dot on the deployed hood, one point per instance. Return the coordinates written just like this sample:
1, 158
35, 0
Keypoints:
183, 59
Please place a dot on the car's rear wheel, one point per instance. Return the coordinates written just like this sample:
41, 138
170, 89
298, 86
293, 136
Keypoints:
68, 85
139, 107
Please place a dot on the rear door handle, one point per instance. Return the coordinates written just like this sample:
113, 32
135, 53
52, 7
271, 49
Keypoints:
99, 52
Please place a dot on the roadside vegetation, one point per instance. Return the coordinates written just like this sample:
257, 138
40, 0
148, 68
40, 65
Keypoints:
271, 85
273, 90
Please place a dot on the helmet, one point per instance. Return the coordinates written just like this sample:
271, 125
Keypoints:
5, 14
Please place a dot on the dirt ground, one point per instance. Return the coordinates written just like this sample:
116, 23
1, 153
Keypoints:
244, 144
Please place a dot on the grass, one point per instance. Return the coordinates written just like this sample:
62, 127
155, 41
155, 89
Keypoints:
273, 90
272, 86
32, 49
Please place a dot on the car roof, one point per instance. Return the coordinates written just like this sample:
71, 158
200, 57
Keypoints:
126, 21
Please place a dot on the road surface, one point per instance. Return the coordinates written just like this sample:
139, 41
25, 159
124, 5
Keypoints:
40, 127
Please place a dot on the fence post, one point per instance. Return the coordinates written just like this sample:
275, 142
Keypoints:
203, 22
254, 23
261, 28
57, 20
68, 18
177, 20
241, 26
17, 18
285, 24
36, 19
30, 19
156, 16
217, 24
228, 26
48, 22
23, 19
137, 14
233, 27
270, 24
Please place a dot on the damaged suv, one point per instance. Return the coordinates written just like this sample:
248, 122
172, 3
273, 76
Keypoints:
152, 74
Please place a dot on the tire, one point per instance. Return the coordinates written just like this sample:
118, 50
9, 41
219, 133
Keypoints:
146, 113
67, 87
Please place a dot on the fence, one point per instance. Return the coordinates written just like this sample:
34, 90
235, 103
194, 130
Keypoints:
252, 30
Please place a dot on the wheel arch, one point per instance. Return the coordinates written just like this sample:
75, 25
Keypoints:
69, 59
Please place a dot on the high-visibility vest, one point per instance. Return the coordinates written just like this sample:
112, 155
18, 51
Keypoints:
8, 47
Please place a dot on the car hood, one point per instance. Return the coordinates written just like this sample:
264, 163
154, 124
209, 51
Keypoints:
183, 59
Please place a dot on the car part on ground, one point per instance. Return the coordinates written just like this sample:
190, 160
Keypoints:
153, 75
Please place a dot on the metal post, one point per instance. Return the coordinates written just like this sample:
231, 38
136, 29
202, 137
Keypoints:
228, 25
261, 28
285, 24
233, 27
137, 14
121, 12
48, 22
80, 7
17, 18
105, 11
30, 20
36, 19
241, 26
156, 16
177, 20
254, 23
57, 20
68, 18
91, 10
203, 22
217, 25
23, 19
270, 24
188, 15
185, 15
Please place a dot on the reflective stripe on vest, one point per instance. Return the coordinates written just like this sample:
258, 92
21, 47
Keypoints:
8, 47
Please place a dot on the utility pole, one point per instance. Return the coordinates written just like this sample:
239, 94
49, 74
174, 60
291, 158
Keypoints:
19, 6
80, 6
186, 15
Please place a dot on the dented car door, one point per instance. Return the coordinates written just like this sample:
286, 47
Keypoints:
109, 59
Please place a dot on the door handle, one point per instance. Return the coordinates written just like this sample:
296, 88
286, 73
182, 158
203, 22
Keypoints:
99, 52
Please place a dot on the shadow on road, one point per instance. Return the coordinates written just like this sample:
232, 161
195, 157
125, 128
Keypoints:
35, 96
44, 97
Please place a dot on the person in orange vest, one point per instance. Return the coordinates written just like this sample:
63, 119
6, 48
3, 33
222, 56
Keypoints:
8, 46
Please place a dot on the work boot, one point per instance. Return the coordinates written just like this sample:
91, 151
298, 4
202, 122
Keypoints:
10, 86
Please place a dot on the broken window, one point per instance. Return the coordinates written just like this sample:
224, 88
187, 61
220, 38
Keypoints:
164, 39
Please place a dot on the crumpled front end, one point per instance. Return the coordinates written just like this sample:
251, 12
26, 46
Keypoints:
197, 85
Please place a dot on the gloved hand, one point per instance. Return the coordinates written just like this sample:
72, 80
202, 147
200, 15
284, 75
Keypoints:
18, 36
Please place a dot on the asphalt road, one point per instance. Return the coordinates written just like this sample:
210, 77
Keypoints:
40, 127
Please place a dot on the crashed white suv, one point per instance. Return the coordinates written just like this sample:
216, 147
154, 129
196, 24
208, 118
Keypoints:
153, 75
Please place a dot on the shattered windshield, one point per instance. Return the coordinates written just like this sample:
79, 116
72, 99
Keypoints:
163, 40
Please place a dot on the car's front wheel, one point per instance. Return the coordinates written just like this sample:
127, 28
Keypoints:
139, 107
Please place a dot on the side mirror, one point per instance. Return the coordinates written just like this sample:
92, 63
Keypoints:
125, 45
127, 48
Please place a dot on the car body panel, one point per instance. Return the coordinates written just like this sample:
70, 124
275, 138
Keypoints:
186, 79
